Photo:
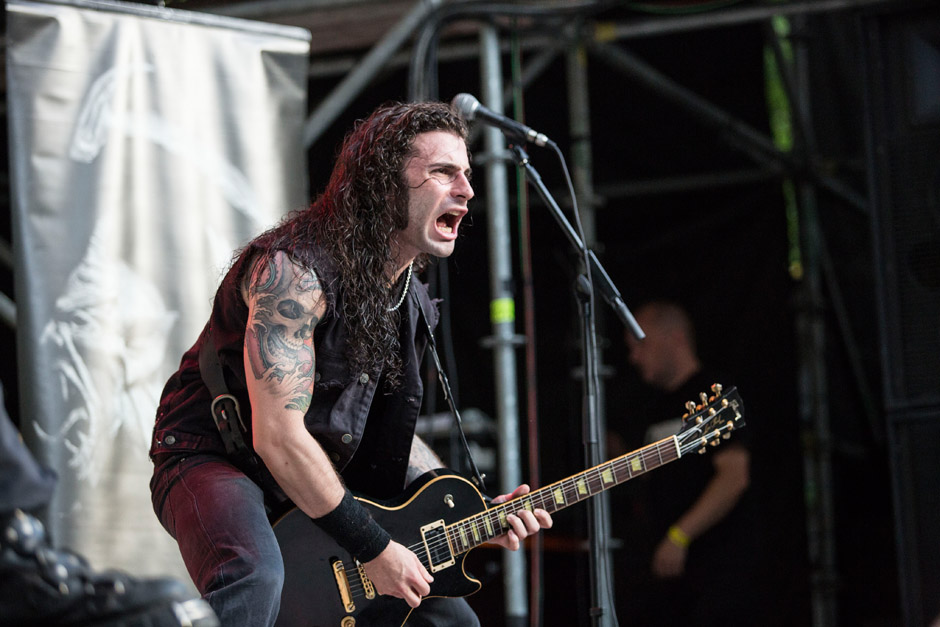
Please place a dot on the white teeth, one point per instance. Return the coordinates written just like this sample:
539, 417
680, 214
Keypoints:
443, 225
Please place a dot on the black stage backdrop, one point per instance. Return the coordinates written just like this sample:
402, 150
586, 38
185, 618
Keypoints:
721, 251
724, 253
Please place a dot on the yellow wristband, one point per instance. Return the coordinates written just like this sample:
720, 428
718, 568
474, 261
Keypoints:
678, 537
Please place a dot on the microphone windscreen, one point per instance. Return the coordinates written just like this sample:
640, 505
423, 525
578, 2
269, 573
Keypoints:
466, 105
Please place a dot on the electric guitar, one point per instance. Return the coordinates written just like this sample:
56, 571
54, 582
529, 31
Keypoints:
442, 516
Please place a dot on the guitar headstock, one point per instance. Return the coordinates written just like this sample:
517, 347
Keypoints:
711, 419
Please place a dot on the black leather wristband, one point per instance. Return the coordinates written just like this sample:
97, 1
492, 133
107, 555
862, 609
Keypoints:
354, 529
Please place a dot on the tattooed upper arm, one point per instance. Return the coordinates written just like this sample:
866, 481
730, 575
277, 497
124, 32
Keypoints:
285, 302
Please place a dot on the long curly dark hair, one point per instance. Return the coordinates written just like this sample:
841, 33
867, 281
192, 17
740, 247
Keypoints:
364, 203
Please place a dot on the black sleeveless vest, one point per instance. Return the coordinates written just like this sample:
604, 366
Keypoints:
342, 401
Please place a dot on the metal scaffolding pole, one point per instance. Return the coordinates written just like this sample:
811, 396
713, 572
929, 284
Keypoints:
813, 376
353, 83
502, 316
814, 414
579, 122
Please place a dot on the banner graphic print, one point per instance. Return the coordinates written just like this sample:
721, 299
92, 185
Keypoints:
146, 145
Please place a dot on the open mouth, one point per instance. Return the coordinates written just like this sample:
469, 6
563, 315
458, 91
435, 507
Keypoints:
447, 223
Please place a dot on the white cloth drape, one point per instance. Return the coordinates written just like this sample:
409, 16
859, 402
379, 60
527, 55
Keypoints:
146, 145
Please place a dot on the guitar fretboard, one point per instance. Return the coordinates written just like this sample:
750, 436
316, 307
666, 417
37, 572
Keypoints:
483, 527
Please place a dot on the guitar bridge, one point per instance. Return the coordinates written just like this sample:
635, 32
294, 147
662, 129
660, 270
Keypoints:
342, 585
367, 588
436, 546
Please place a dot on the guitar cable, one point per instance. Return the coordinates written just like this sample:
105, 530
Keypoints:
448, 396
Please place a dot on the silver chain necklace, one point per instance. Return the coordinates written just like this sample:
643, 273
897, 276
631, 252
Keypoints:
404, 292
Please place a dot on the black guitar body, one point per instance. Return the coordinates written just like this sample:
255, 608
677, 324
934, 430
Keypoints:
442, 516
311, 595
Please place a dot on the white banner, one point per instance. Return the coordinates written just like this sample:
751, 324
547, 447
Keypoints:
146, 145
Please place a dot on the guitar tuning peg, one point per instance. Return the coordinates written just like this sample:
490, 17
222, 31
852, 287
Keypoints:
704, 397
714, 442
701, 451
725, 436
690, 406
716, 388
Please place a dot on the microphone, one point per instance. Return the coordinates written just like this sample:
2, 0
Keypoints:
470, 109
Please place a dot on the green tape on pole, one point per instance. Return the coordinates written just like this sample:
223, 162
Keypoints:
502, 310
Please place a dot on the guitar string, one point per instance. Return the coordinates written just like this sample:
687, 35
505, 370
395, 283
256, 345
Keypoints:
595, 484
653, 453
594, 478
541, 497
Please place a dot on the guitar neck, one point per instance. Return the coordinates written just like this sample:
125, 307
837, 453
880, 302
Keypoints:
475, 530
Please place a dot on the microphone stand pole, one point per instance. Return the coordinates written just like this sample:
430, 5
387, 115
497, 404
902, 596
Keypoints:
598, 528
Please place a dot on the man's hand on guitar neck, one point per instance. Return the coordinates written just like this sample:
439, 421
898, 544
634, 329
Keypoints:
524, 523
399, 573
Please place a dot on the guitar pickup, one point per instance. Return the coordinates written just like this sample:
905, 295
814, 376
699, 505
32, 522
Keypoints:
436, 546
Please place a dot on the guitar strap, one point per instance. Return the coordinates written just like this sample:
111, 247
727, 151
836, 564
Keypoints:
226, 413
449, 397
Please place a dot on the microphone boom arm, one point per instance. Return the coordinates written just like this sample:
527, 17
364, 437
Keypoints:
601, 280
